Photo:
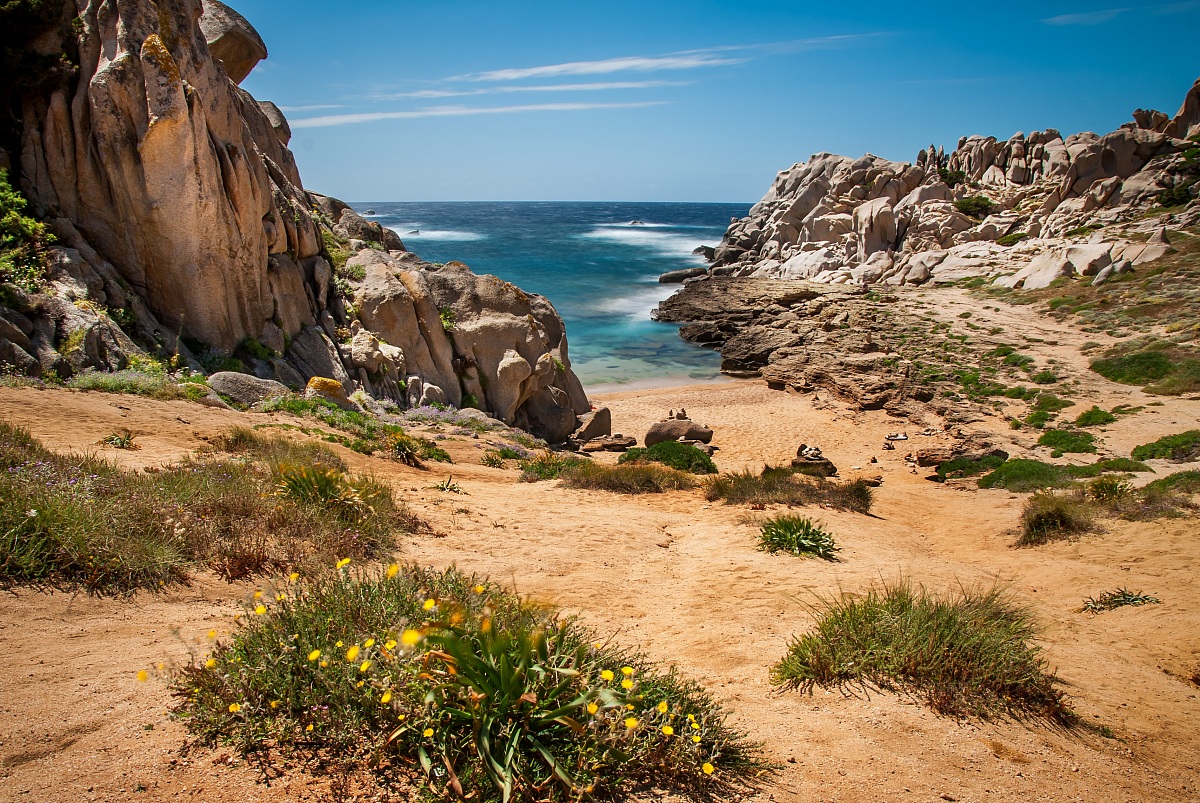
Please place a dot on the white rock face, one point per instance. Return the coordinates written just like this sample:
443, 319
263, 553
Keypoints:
828, 219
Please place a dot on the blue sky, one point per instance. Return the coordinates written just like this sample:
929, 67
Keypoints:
686, 101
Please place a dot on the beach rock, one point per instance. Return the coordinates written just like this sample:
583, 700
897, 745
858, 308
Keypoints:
331, 390
676, 429
244, 388
677, 276
810, 461
594, 424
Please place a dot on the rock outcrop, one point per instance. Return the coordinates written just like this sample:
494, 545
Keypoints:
184, 231
990, 208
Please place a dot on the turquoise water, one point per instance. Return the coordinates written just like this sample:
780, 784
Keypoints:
600, 273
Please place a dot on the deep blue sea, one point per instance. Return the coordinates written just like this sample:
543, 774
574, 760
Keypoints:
600, 272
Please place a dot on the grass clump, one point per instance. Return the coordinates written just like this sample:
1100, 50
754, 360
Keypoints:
968, 654
1182, 447
676, 455
1012, 239
1025, 475
154, 385
1111, 600
1064, 441
782, 486
546, 465
969, 466
627, 478
1184, 482
1161, 369
1094, 417
81, 520
797, 536
1049, 516
445, 680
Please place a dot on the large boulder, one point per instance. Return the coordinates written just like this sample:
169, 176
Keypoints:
244, 388
676, 429
231, 40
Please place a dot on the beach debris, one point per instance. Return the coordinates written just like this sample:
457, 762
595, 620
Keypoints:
896, 436
809, 460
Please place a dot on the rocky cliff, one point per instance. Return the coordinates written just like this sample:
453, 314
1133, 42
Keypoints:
1008, 210
183, 229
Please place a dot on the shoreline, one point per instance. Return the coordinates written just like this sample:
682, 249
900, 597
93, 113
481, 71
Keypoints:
616, 389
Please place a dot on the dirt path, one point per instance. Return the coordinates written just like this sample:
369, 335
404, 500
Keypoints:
681, 578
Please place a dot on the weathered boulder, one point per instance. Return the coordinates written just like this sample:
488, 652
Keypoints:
231, 40
330, 390
676, 429
677, 276
594, 424
244, 388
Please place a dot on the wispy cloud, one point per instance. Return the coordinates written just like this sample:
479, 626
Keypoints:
313, 108
1103, 15
605, 67
589, 87
459, 111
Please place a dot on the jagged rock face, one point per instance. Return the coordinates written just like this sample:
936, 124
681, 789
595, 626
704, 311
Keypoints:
168, 169
839, 220
231, 40
463, 334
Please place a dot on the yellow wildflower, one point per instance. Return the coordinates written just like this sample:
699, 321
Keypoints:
696, 738
592, 708
387, 697
668, 730
631, 722
338, 644
696, 726
293, 577
691, 717
324, 664
314, 655
390, 645
210, 663
393, 570
274, 703
352, 653
141, 676
260, 610
212, 634
479, 589
606, 675
360, 684
308, 729
364, 666
369, 643
626, 684
343, 563
280, 597
258, 594
428, 732
708, 768
627, 670
662, 707
234, 708
410, 637
429, 603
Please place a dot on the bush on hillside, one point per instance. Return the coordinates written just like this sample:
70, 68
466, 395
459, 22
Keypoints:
976, 206
463, 687
1181, 447
972, 653
680, 456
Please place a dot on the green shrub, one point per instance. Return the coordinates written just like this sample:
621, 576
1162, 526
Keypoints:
152, 385
968, 654
1094, 417
1187, 482
365, 427
1048, 516
1138, 368
1109, 490
1116, 464
782, 486
952, 178
81, 520
797, 535
627, 478
976, 206
1183, 447
336, 251
1044, 377
969, 467
1024, 475
468, 685
1064, 441
327, 488
1111, 600
446, 314
1012, 239
1050, 403
492, 459
23, 241
681, 456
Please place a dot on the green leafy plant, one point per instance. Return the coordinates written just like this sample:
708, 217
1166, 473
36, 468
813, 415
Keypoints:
1109, 490
448, 485
1110, 600
325, 487
492, 459
1181, 447
121, 439
1094, 417
976, 206
1048, 516
1012, 239
971, 653
23, 241
798, 536
781, 485
1063, 441
446, 314
680, 456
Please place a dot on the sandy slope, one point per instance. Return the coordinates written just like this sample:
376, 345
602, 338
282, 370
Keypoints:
681, 578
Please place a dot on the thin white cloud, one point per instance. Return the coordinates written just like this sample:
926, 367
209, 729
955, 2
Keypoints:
1101, 16
591, 87
459, 111
314, 108
606, 67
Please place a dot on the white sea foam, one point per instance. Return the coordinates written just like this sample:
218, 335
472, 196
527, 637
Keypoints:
645, 237
445, 235
637, 305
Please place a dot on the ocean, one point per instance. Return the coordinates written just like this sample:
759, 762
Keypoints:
600, 272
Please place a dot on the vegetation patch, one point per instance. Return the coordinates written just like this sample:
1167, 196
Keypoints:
81, 520
781, 486
1025, 475
140, 383
1094, 417
446, 680
967, 654
546, 465
797, 536
1012, 239
1183, 447
1164, 370
976, 206
969, 466
627, 478
1064, 441
1111, 600
23, 239
1184, 482
1048, 516
680, 456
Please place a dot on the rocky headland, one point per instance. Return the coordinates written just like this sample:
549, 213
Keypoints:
177, 230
